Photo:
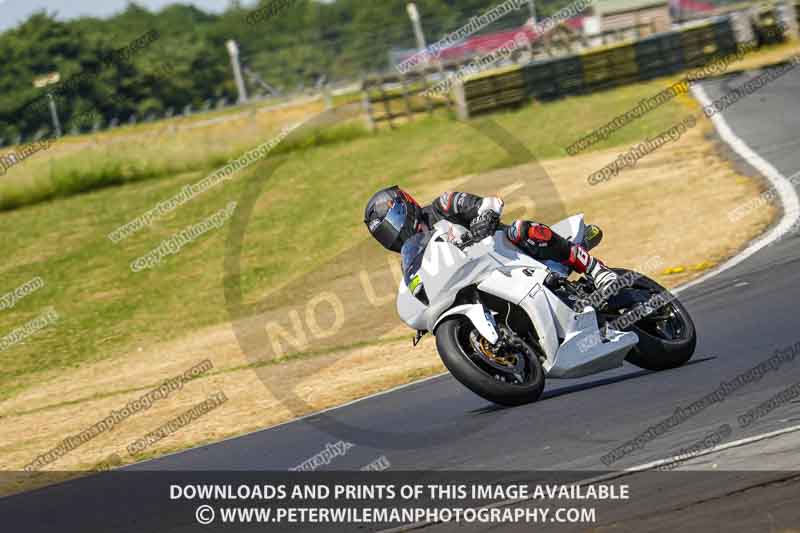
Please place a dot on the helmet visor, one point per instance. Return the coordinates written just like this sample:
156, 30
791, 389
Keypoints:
388, 231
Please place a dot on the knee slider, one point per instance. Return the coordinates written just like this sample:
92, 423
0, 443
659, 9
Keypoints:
540, 233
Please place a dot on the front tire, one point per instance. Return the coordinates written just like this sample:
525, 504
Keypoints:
487, 380
661, 347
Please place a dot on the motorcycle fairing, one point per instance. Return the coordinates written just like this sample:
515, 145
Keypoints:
569, 339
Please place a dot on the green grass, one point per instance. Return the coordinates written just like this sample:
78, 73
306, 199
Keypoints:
308, 211
98, 168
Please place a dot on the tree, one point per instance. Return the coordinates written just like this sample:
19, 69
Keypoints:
188, 64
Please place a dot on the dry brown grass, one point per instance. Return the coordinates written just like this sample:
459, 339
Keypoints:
662, 207
175, 140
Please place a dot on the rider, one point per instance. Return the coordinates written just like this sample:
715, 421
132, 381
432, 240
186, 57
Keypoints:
392, 216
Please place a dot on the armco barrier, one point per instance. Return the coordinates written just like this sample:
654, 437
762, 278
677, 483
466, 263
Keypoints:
601, 68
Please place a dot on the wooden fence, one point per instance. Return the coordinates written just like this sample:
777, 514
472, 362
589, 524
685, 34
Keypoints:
393, 97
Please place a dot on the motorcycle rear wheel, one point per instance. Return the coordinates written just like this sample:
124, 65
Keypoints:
522, 382
663, 344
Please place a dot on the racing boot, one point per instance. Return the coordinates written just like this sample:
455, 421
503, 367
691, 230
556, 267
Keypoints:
592, 237
602, 276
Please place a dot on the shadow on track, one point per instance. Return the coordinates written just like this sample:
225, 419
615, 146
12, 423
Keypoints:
547, 395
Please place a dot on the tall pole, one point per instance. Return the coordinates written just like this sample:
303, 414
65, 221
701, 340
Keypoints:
532, 5
413, 14
42, 82
54, 114
233, 50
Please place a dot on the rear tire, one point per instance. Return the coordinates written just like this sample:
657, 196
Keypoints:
479, 381
655, 352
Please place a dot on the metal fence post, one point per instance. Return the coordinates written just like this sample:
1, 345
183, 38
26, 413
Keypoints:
459, 95
367, 105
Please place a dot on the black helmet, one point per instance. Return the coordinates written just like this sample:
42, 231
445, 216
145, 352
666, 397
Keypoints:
392, 216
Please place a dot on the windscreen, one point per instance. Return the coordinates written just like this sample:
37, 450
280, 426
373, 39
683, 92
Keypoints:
412, 253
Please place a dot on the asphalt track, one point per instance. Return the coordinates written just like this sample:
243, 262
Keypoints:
742, 315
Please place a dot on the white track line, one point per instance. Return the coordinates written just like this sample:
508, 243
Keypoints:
784, 188
622, 473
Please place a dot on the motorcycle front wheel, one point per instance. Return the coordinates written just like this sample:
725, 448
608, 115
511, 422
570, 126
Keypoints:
512, 377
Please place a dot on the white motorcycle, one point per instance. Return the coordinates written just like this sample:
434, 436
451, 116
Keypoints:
504, 321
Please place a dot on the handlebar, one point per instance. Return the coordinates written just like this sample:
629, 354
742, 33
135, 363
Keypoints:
471, 240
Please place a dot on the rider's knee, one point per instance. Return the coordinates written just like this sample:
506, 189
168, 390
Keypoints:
540, 233
526, 230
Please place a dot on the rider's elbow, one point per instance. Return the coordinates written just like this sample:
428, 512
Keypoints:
492, 203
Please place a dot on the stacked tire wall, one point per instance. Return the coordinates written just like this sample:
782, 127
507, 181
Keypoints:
658, 55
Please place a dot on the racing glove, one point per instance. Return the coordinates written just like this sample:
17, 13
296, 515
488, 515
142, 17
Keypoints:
484, 225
